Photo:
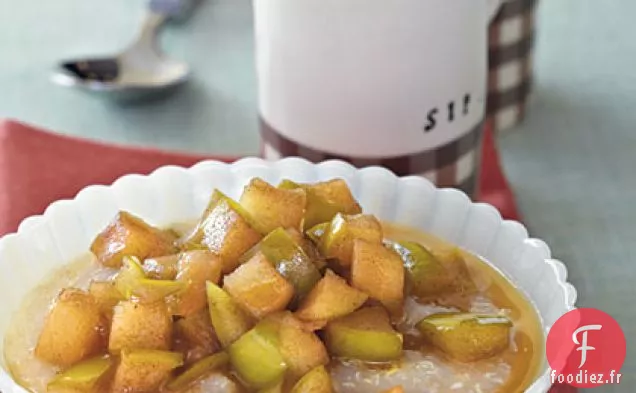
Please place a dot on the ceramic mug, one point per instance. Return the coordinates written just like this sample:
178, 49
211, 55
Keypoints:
400, 83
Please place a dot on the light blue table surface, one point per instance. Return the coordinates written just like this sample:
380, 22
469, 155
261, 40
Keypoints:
572, 163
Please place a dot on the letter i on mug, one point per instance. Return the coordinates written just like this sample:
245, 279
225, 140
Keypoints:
400, 83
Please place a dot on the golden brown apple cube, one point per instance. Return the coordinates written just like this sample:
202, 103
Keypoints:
324, 200
256, 356
140, 326
331, 298
106, 295
379, 272
144, 371
309, 248
365, 335
226, 229
426, 277
337, 191
467, 337
291, 261
195, 335
453, 261
195, 269
73, 330
316, 232
297, 237
273, 207
130, 235
301, 349
337, 242
258, 287
229, 319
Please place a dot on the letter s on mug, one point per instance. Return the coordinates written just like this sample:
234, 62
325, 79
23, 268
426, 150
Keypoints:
431, 120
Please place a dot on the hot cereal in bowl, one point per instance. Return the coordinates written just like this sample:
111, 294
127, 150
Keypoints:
290, 288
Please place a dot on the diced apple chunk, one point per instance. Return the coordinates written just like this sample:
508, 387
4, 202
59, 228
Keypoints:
144, 370
337, 242
337, 191
331, 298
83, 376
132, 283
324, 200
229, 320
467, 337
426, 276
291, 261
273, 207
106, 295
309, 247
379, 272
453, 260
440, 274
195, 336
365, 335
256, 356
140, 326
315, 381
301, 349
195, 269
74, 311
130, 235
226, 229
316, 232
128, 277
258, 287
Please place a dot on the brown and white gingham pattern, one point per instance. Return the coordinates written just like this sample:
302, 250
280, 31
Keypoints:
450, 165
511, 47
511, 42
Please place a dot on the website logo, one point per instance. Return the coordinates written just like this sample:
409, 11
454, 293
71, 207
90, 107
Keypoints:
586, 348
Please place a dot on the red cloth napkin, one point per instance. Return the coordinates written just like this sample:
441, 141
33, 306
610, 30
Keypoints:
38, 167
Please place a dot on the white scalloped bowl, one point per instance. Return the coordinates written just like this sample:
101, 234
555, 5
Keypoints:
173, 194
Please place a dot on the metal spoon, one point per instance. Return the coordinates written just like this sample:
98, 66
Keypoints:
140, 67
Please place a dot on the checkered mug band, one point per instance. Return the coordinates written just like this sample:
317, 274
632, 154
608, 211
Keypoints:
452, 165
510, 56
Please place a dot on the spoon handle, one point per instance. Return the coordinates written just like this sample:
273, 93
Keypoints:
173, 9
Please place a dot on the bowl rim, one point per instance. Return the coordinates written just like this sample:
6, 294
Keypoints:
542, 382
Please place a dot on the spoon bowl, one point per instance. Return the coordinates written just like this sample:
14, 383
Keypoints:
121, 73
142, 67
